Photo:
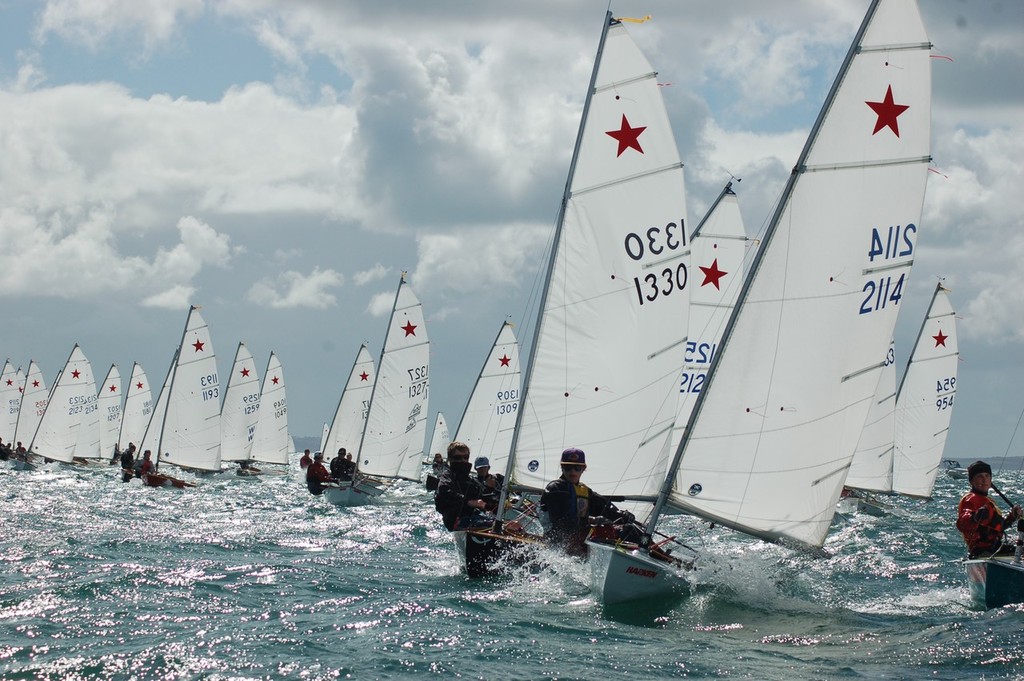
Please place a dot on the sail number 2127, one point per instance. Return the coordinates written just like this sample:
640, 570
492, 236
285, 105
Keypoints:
657, 241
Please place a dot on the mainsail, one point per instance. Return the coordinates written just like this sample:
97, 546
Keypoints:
57, 435
240, 410
33, 404
346, 428
138, 407
271, 443
109, 399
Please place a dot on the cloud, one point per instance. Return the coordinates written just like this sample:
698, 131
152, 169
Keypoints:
174, 298
380, 304
298, 290
375, 273
93, 22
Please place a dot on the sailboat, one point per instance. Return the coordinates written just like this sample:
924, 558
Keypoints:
271, 443
10, 401
605, 358
239, 412
188, 434
767, 446
346, 429
490, 415
33, 404
138, 408
392, 440
910, 425
57, 435
109, 402
439, 439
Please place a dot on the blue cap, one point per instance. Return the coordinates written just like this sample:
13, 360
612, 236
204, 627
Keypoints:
574, 455
481, 462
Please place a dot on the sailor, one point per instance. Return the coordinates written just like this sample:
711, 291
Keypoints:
491, 483
317, 475
128, 463
569, 508
306, 460
459, 496
978, 518
347, 467
147, 463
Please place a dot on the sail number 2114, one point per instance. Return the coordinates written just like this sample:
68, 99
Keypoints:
898, 243
656, 241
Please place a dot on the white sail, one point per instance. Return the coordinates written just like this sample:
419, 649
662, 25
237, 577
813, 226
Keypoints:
57, 436
871, 468
150, 440
392, 442
138, 407
33, 404
240, 410
10, 402
606, 353
346, 428
190, 437
323, 437
439, 438
775, 428
271, 443
88, 446
924, 402
489, 420
109, 399
717, 252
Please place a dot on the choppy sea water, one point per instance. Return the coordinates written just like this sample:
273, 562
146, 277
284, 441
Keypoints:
253, 579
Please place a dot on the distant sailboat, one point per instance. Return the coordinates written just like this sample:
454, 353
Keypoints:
771, 436
57, 434
392, 441
489, 419
138, 407
240, 410
439, 439
346, 429
33, 404
109, 401
271, 443
10, 401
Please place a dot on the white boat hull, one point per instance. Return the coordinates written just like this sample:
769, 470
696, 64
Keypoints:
620, 575
995, 582
358, 493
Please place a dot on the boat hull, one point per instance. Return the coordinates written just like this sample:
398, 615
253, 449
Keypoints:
484, 553
158, 480
995, 582
358, 493
620, 574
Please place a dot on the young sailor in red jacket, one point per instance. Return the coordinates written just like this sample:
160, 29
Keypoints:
978, 518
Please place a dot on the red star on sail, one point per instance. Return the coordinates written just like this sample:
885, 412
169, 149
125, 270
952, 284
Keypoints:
10, 382
712, 274
21, 388
364, 376
35, 384
627, 137
504, 360
940, 339
274, 380
887, 111
410, 329
198, 345
245, 371
76, 373
139, 385
113, 388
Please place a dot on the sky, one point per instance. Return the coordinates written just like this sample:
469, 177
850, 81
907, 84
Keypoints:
282, 162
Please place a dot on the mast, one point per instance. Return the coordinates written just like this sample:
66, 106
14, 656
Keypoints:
510, 464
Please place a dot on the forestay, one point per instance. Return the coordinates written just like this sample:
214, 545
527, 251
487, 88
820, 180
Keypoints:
606, 354
924, 403
490, 416
775, 428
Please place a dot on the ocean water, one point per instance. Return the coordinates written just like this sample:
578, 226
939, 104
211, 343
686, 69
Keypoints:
256, 579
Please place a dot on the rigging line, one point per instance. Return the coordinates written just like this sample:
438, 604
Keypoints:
1010, 443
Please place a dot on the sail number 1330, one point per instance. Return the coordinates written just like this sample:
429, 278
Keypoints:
657, 241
